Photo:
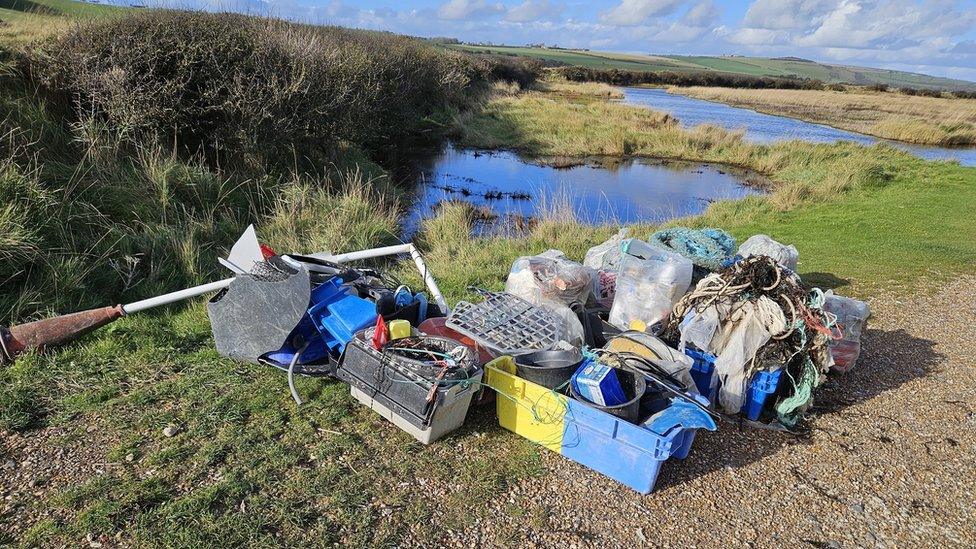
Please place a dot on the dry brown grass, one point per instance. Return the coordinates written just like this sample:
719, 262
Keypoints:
915, 119
579, 89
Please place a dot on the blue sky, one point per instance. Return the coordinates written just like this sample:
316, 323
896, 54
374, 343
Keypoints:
931, 36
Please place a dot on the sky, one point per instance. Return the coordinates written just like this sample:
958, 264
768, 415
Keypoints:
929, 36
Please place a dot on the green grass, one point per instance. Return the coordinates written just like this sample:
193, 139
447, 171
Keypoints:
246, 467
751, 66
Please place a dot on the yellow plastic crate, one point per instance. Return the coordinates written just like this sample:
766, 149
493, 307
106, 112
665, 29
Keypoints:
525, 408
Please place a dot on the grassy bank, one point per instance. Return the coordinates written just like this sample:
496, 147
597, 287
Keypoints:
728, 66
914, 119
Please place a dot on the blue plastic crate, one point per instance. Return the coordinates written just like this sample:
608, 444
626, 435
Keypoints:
338, 316
702, 370
763, 385
628, 453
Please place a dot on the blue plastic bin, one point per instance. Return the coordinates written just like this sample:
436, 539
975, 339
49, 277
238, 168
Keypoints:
338, 316
630, 454
762, 385
702, 369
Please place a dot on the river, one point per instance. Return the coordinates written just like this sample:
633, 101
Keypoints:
508, 190
767, 128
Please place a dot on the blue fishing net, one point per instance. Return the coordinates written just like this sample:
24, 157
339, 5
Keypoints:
712, 249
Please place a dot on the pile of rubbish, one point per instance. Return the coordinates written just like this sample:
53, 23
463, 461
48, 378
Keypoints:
614, 363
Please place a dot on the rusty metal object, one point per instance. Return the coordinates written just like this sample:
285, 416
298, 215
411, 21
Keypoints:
52, 332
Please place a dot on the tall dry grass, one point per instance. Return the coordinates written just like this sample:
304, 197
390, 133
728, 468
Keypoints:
915, 119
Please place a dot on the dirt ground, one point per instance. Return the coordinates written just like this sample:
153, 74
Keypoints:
889, 462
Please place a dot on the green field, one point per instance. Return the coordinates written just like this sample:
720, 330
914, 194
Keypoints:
751, 66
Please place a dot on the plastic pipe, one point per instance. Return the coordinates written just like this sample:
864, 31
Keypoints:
429, 281
396, 250
175, 296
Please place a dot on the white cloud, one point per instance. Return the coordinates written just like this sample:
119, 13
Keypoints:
787, 14
467, 9
755, 37
534, 10
702, 14
635, 12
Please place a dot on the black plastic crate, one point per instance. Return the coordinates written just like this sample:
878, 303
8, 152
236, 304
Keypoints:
403, 385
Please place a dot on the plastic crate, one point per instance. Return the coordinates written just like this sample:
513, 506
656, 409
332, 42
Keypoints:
507, 324
337, 315
525, 408
628, 453
702, 372
762, 385
398, 389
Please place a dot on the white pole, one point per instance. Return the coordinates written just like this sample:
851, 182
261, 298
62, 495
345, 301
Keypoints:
175, 296
395, 250
418, 260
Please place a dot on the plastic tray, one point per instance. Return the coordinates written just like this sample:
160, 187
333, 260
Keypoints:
337, 315
507, 324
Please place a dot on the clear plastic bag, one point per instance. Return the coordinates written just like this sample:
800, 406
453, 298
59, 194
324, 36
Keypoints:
550, 276
606, 256
761, 244
852, 315
650, 280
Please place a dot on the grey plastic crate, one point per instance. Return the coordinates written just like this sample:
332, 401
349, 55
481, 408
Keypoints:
448, 416
507, 324
398, 388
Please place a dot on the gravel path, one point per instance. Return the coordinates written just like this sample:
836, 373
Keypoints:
890, 461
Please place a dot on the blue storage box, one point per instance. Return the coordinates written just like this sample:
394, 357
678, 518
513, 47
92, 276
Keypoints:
630, 454
762, 385
702, 370
598, 383
338, 316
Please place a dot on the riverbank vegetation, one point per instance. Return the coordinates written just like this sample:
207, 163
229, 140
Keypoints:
940, 120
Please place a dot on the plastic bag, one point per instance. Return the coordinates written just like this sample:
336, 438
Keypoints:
650, 280
550, 276
699, 327
741, 338
606, 256
762, 244
852, 315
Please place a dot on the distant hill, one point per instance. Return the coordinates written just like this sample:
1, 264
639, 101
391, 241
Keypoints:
795, 67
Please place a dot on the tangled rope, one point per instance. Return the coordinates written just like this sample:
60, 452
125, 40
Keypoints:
757, 289
711, 249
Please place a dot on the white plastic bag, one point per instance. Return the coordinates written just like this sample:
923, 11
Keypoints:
550, 276
700, 327
852, 315
748, 328
762, 244
650, 280
604, 257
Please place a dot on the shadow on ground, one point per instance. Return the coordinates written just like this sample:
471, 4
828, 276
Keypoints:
888, 360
